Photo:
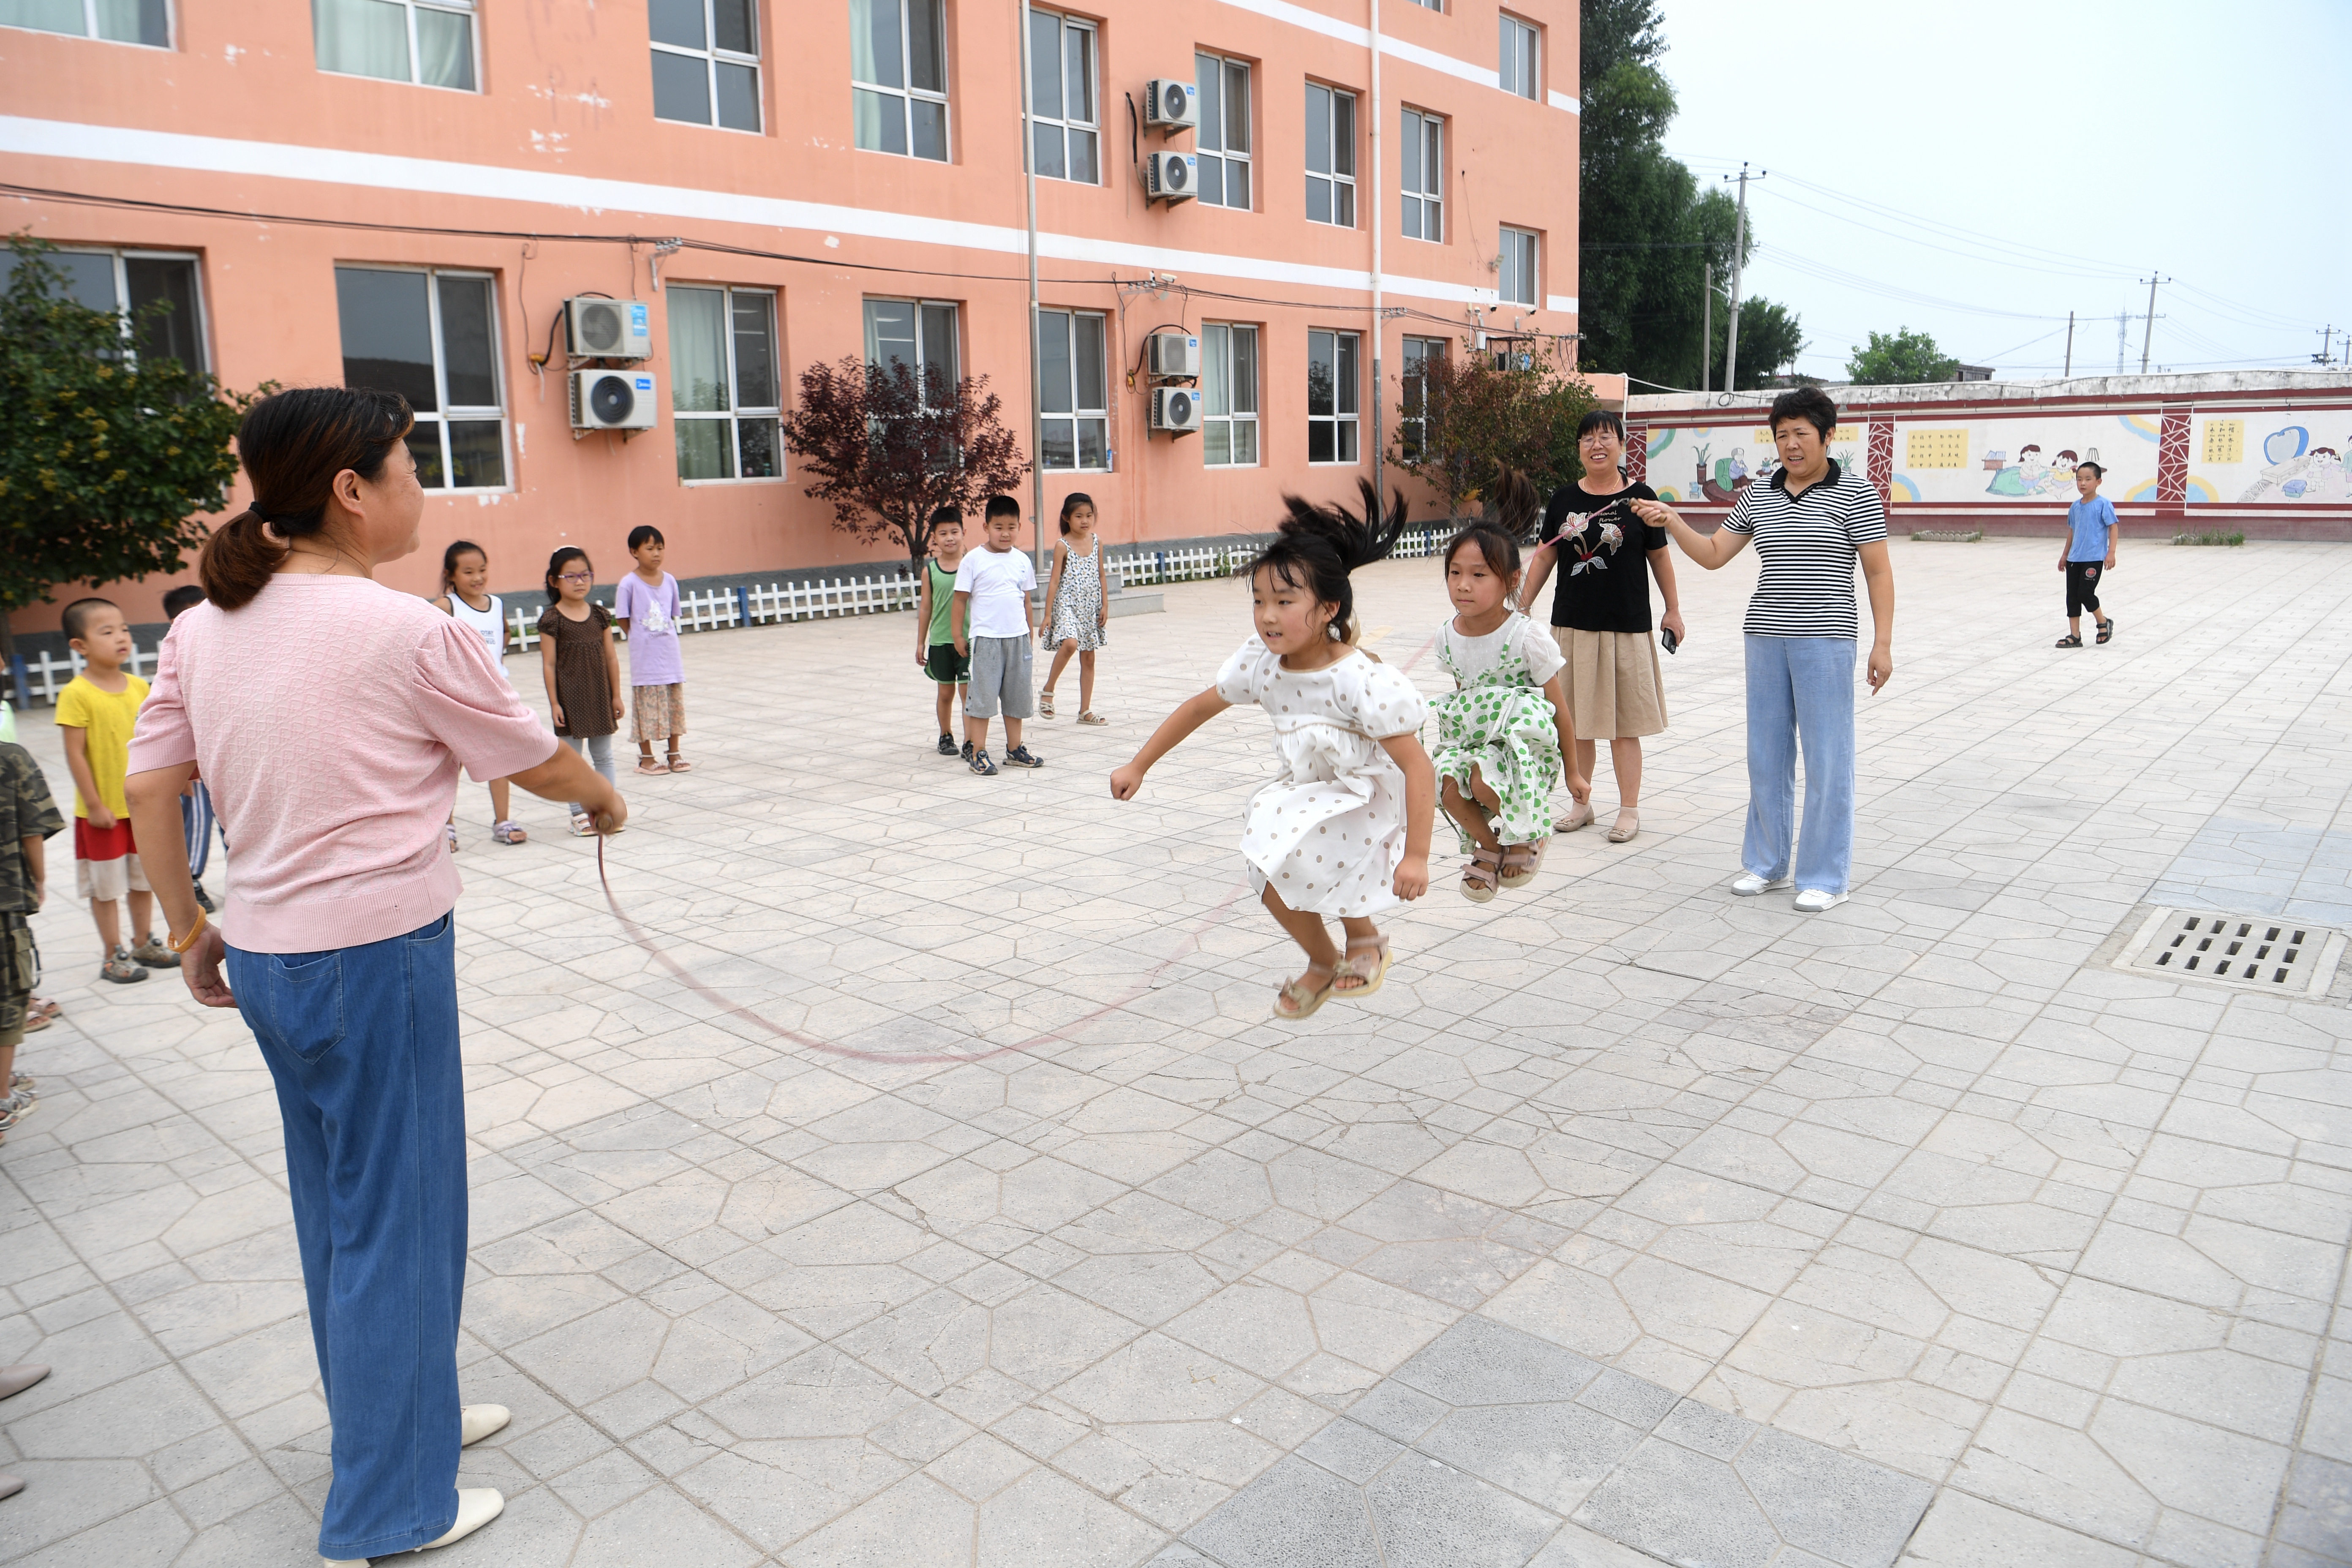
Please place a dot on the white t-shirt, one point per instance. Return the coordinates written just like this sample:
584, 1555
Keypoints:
999, 582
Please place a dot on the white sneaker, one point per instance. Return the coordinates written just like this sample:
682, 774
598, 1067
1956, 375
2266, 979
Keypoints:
1813, 900
1747, 884
476, 1505
477, 1422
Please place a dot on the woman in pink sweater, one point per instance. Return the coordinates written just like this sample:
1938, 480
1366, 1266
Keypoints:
337, 932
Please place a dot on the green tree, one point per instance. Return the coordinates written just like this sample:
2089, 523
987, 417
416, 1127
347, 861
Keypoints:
1463, 418
1900, 358
1770, 337
108, 457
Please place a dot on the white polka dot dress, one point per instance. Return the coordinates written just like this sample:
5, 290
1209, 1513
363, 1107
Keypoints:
1328, 835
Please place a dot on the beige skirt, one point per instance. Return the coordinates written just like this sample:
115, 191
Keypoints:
1615, 689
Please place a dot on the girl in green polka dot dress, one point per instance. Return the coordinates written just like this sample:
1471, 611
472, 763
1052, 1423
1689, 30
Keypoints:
1503, 735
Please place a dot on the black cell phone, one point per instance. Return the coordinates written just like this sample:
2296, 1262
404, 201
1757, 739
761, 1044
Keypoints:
1667, 640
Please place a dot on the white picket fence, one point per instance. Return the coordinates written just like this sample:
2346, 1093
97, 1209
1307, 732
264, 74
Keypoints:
714, 609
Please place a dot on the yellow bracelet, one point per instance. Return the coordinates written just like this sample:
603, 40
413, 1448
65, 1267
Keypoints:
181, 943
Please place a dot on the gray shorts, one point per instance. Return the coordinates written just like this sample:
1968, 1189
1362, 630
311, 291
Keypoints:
1000, 678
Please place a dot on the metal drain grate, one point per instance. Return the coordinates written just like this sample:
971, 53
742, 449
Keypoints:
2260, 953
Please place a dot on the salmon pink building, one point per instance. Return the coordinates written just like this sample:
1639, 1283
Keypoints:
596, 244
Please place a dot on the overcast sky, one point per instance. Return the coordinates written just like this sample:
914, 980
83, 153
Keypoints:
1978, 169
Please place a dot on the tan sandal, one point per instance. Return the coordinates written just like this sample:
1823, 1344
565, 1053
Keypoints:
1578, 815
1518, 873
1483, 876
1627, 827
1297, 1000
1373, 970
1045, 704
1091, 717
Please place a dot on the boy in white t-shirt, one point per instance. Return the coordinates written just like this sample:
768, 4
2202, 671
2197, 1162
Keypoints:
993, 624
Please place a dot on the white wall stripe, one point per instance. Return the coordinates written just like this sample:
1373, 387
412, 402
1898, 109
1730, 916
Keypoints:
1395, 49
380, 171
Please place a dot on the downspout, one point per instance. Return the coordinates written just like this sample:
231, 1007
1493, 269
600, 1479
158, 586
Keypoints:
1036, 371
1379, 319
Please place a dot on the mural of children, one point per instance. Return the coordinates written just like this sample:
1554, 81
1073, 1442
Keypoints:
2030, 475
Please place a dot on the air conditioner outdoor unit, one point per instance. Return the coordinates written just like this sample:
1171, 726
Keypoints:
1174, 105
1175, 409
1175, 354
613, 400
1171, 176
608, 329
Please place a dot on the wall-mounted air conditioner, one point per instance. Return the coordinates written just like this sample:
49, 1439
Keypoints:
608, 329
1173, 106
1171, 176
1175, 409
613, 400
1175, 354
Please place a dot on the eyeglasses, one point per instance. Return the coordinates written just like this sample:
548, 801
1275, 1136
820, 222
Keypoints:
577, 577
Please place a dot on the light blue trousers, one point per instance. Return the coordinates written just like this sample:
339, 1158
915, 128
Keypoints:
363, 1043
1801, 695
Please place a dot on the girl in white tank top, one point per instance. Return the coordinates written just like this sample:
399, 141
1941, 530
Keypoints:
465, 578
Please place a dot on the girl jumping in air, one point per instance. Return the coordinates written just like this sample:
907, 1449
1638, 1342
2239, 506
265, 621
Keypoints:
582, 667
1504, 734
465, 594
1344, 830
1077, 598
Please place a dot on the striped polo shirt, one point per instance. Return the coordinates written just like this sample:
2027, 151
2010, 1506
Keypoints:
1807, 544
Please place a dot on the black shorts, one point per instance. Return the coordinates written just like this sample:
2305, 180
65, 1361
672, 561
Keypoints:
2082, 587
948, 667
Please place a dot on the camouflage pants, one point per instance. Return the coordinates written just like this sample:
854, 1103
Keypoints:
19, 967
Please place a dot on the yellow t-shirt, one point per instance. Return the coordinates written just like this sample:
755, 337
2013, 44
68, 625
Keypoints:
107, 717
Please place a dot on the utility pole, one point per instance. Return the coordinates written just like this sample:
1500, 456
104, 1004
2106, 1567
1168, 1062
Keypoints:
2068, 372
2327, 338
1739, 244
1705, 324
2123, 329
1036, 371
2148, 331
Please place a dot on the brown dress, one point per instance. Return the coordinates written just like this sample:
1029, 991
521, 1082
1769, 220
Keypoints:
583, 686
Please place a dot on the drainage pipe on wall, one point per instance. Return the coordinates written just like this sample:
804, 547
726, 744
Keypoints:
1036, 371
1379, 321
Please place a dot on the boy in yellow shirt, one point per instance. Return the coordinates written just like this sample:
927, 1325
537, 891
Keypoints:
96, 713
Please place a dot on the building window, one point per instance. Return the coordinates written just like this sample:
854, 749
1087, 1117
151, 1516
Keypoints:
1224, 141
1515, 273
1228, 395
128, 283
723, 382
706, 62
1075, 432
1062, 97
145, 22
1437, 5
920, 334
1413, 417
1517, 70
898, 59
1330, 156
427, 42
433, 337
1422, 155
1331, 397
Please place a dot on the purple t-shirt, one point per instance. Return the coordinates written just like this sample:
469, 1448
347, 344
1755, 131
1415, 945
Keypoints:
652, 615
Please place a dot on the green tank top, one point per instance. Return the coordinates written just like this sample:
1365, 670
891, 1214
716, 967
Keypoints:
943, 603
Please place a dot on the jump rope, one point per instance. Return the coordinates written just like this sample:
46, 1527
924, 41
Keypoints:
1188, 945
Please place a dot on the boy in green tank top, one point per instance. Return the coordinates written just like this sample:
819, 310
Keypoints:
935, 647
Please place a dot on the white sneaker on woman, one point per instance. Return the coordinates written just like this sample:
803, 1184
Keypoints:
476, 1505
477, 1422
1814, 901
1747, 884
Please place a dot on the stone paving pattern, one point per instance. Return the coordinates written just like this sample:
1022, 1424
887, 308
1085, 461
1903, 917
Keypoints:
985, 1217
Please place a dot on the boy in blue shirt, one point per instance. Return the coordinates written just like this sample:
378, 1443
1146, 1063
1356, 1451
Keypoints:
2088, 554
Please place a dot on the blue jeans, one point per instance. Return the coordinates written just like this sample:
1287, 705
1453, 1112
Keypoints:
362, 1042
1800, 691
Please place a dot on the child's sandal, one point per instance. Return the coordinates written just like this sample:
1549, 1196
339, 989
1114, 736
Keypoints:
1044, 704
1298, 1000
2107, 630
647, 765
451, 828
678, 765
1090, 717
1373, 968
509, 832
2069, 640
1518, 872
582, 825
1483, 876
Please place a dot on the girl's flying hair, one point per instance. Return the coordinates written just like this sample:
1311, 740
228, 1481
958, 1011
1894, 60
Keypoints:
1511, 510
1319, 545
449, 562
557, 562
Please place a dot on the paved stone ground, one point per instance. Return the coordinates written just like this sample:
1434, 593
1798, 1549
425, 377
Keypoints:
975, 1211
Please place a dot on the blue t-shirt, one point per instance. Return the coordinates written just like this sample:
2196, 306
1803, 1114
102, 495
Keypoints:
2090, 519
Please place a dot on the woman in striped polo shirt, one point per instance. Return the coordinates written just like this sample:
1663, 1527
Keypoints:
1812, 522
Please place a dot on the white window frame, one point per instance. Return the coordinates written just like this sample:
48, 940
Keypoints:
1346, 417
922, 360
1217, 340
90, 29
736, 413
1228, 160
712, 56
121, 257
1519, 269
1519, 63
1420, 214
1412, 424
908, 93
447, 414
1340, 194
1079, 415
1066, 126
465, 8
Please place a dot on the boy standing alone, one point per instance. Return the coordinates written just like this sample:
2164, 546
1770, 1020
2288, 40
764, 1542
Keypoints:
935, 647
95, 715
994, 625
2089, 553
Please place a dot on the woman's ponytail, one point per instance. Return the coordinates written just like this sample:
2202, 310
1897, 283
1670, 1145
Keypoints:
293, 444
